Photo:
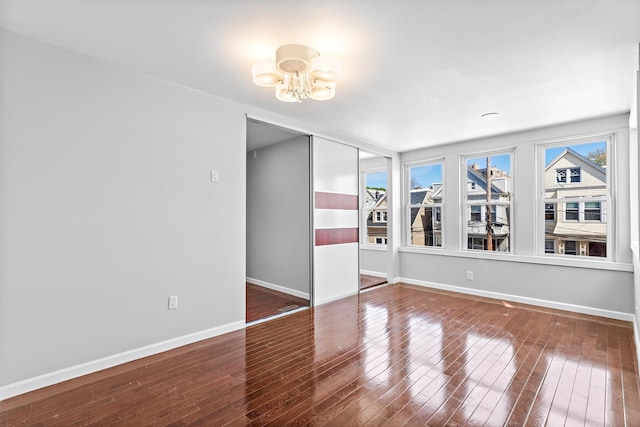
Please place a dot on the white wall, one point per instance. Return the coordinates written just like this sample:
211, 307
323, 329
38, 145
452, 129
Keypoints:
634, 162
584, 285
107, 208
278, 216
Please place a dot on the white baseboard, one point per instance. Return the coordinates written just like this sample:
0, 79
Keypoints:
278, 288
65, 374
525, 300
373, 273
335, 298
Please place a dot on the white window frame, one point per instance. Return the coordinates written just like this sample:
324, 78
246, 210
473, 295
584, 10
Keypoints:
607, 202
408, 206
465, 207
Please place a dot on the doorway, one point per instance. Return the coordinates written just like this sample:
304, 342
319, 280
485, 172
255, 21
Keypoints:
374, 219
278, 230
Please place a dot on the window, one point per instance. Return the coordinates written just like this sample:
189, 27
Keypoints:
477, 243
381, 216
424, 204
592, 211
374, 207
571, 211
476, 213
576, 185
488, 208
570, 247
575, 174
549, 212
549, 246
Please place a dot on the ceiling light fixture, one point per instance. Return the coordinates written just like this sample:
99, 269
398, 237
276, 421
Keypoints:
489, 115
299, 72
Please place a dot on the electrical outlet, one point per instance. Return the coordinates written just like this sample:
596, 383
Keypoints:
173, 302
215, 176
469, 275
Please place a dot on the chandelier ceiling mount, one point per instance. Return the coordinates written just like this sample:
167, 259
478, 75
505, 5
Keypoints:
299, 72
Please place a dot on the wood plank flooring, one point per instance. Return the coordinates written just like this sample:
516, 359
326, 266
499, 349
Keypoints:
367, 281
395, 355
262, 302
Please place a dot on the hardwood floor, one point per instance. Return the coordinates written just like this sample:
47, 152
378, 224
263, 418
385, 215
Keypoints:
263, 302
396, 355
367, 281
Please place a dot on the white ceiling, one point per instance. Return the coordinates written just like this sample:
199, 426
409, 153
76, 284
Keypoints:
415, 72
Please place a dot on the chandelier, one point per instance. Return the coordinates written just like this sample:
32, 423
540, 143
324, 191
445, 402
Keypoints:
299, 72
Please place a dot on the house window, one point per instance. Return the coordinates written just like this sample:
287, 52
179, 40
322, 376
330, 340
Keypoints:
571, 211
575, 174
592, 211
570, 247
374, 207
475, 213
424, 201
549, 212
476, 243
584, 164
488, 208
549, 246
597, 249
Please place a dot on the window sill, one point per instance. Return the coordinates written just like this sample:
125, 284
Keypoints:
582, 263
372, 247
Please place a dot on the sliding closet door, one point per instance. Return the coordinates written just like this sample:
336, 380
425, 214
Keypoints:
335, 218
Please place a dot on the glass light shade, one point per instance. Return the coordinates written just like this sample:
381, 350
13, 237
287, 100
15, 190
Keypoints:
265, 74
283, 95
323, 91
294, 58
324, 68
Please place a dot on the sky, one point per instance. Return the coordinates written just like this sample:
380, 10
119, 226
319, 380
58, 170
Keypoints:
426, 175
502, 162
584, 149
376, 179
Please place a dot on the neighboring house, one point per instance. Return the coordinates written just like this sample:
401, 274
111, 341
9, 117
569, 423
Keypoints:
478, 228
376, 208
426, 221
577, 227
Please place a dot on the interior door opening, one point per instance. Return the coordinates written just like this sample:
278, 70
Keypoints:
278, 266
374, 220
